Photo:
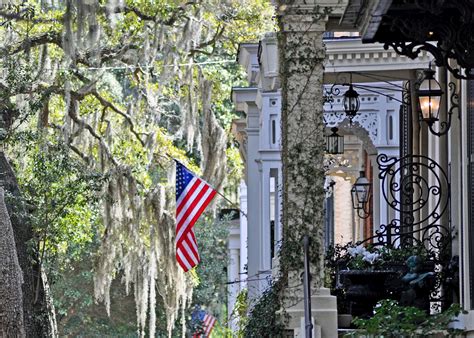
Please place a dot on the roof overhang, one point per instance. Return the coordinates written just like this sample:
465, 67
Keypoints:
443, 28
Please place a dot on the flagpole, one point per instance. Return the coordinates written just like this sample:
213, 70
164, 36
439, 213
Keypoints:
232, 203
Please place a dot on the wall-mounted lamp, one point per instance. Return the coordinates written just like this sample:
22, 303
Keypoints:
334, 142
429, 96
361, 195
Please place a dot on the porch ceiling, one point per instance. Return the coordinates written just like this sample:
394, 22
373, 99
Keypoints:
405, 20
441, 27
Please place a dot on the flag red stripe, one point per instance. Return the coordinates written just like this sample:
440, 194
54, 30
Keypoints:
192, 244
181, 262
191, 204
195, 243
190, 210
187, 256
187, 196
194, 260
208, 324
184, 261
188, 251
187, 224
196, 216
211, 326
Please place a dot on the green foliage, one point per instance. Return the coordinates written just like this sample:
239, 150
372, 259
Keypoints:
267, 317
222, 331
76, 310
358, 257
393, 320
224, 77
211, 291
78, 108
62, 192
240, 312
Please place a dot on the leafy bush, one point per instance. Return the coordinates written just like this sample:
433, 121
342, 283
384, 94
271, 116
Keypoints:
267, 318
393, 320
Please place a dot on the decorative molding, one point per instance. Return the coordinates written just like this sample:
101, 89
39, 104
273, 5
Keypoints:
345, 55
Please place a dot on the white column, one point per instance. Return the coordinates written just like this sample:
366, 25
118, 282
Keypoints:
254, 208
278, 203
265, 245
233, 289
243, 235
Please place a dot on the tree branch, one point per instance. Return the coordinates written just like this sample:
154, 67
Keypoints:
127, 117
175, 15
72, 112
212, 42
49, 37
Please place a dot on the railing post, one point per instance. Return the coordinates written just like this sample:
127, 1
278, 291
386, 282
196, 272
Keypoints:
307, 290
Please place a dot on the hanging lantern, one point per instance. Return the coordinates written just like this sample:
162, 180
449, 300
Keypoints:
429, 97
360, 194
351, 102
334, 142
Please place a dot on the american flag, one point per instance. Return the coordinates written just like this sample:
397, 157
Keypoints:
192, 197
207, 322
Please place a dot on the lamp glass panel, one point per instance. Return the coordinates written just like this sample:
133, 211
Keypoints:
351, 104
362, 193
425, 105
332, 145
429, 97
355, 202
335, 144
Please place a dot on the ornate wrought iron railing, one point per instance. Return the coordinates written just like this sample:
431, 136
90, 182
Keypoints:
417, 189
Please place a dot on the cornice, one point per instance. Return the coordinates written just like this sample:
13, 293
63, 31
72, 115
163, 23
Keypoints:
349, 55
309, 7
242, 96
344, 55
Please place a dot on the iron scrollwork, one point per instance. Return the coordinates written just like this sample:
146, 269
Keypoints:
422, 183
454, 100
329, 94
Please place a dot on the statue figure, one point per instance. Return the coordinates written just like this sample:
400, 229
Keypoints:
418, 284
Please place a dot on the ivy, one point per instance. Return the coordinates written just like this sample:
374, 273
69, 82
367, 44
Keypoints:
301, 60
267, 318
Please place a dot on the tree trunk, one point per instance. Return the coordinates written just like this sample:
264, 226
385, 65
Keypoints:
35, 313
11, 279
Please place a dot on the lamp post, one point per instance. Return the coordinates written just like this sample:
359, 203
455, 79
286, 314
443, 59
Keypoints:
334, 142
307, 290
360, 194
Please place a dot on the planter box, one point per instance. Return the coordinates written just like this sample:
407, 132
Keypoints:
364, 288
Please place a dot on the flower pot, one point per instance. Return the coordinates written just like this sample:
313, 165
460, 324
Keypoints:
344, 321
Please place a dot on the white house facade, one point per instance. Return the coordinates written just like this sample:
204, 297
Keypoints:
436, 154
374, 131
